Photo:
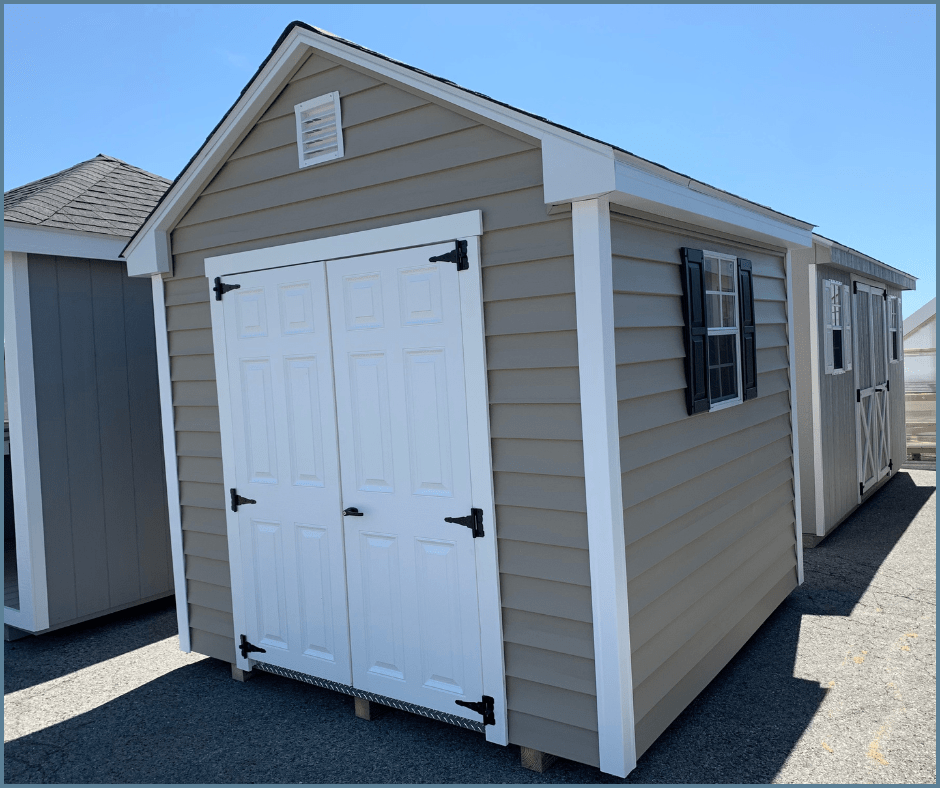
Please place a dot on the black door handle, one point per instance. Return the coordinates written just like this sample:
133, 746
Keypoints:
352, 511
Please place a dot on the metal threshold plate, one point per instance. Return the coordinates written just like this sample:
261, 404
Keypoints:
451, 719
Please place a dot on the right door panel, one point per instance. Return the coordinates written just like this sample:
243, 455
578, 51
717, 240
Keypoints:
402, 423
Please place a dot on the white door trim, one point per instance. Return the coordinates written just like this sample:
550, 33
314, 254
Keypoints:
170, 461
594, 295
465, 226
335, 247
33, 615
794, 415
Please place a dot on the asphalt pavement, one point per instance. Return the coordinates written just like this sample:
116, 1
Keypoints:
838, 686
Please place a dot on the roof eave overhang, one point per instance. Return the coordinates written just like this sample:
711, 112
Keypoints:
574, 167
32, 239
853, 261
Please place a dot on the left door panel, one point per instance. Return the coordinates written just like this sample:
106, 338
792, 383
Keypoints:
278, 357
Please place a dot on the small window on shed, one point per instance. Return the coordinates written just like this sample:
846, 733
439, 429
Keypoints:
837, 321
319, 130
894, 325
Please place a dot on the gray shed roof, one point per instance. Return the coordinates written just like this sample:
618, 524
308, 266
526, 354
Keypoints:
102, 195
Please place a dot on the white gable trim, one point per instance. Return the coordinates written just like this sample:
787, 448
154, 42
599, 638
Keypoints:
18, 237
920, 317
573, 167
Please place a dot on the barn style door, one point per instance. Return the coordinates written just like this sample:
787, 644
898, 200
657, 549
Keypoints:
403, 436
871, 379
287, 486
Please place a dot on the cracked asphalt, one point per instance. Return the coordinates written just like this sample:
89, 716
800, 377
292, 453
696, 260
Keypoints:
838, 686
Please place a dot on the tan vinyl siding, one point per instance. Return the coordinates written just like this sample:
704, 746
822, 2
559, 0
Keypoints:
708, 500
408, 158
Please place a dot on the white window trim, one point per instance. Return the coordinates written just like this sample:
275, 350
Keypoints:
897, 319
794, 417
170, 462
468, 226
299, 109
33, 615
712, 331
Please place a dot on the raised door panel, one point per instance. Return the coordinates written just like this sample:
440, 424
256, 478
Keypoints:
280, 370
402, 419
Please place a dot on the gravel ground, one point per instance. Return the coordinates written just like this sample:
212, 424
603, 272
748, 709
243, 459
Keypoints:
838, 686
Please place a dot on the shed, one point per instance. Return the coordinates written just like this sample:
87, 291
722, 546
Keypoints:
850, 373
920, 382
446, 434
85, 520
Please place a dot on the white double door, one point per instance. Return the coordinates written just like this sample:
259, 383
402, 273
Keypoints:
873, 436
346, 386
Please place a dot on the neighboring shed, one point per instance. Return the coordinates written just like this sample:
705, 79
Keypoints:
85, 520
380, 295
920, 382
850, 373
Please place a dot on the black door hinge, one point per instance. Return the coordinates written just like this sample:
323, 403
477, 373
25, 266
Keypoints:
887, 385
884, 295
237, 500
486, 707
858, 395
457, 255
855, 288
861, 488
221, 287
890, 465
473, 521
245, 647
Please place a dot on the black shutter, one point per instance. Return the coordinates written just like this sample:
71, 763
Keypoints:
696, 331
748, 329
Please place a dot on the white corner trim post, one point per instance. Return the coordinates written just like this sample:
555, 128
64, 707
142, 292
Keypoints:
594, 294
794, 419
816, 403
33, 615
169, 462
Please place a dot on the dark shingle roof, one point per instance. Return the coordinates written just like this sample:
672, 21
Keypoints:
102, 195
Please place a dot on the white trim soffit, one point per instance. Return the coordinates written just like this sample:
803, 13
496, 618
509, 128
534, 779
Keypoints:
19, 237
594, 296
574, 167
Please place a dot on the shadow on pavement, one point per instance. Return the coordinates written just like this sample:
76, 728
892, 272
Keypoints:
839, 571
197, 725
35, 660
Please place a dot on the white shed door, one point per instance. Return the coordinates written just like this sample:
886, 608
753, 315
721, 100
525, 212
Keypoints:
872, 430
402, 416
277, 335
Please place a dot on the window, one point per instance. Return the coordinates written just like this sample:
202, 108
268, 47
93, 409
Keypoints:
721, 307
319, 130
836, 308
720, 330
894, 324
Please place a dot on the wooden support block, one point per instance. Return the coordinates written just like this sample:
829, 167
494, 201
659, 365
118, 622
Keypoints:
240, 675
12, 633
536, 760
365, 710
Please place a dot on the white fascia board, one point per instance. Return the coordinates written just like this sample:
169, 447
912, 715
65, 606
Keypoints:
27, 238
644, 191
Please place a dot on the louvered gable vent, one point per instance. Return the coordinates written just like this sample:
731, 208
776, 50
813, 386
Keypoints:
319, 129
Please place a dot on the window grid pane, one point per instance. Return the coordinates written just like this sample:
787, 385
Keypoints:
722, 305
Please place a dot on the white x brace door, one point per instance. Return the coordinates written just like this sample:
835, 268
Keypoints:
403, 436
280, 373
873, 437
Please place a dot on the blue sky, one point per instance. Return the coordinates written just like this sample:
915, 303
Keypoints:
826, 113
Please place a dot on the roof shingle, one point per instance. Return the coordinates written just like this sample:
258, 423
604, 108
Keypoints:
102, 195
